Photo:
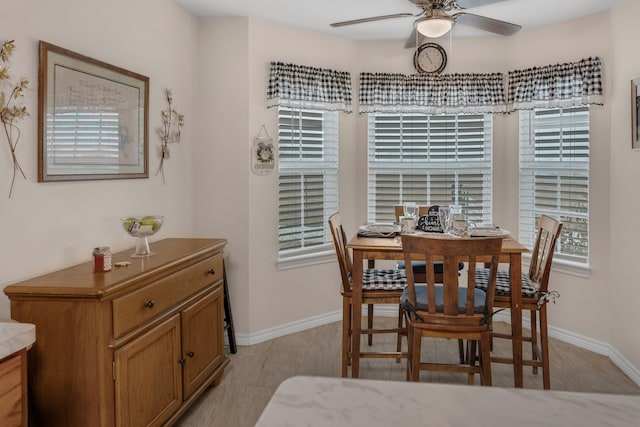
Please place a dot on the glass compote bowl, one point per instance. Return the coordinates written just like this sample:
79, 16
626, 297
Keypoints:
142, 226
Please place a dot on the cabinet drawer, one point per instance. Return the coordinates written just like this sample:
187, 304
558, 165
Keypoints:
148, 302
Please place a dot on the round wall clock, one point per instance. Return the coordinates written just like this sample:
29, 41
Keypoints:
430, 58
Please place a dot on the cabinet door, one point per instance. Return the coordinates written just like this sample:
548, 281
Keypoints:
147, 376
202, 340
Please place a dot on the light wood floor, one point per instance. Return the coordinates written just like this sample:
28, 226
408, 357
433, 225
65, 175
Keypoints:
256, 371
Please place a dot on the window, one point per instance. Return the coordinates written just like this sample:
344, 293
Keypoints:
307, 180
554, 177
431, 160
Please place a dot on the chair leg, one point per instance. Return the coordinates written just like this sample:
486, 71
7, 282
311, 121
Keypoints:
534, 337
346, 335
491, 333
371, 263
409, 350
415, 356
461, 351
370, 322
400, 325
544, 344
471, 348
485, 360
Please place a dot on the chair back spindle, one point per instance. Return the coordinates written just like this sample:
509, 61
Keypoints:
342, 251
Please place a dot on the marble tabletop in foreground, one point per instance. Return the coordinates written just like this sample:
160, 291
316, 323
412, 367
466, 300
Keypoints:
338, 402
15, 336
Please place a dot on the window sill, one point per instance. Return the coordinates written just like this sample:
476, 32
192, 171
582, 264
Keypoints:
321, 256
566, 267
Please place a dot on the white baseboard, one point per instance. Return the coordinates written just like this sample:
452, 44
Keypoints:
391, 311
289, 328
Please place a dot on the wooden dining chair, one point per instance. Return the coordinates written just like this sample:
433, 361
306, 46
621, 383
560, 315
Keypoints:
449, 310
380, 286
535, 296
419, 268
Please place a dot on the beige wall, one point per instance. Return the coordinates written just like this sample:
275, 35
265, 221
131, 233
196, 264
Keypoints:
218, 69
47, 226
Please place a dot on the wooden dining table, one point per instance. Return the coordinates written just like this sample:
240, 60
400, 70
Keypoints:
385, 248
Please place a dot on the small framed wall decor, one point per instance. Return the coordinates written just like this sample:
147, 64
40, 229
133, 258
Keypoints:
263, 153
93, 118
635, 113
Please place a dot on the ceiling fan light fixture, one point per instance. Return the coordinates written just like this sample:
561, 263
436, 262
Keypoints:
434, 26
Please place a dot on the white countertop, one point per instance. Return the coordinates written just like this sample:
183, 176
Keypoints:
15, 336
338, 402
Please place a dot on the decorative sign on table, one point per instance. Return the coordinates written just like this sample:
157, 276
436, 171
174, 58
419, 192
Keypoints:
431, 221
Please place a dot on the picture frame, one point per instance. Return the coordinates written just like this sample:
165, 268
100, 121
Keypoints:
93, 118
635, 113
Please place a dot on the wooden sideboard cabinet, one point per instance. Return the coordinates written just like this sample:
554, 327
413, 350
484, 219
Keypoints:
13, 390
135, 346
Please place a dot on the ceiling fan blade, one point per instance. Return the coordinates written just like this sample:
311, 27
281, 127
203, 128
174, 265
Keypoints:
468, 4
488, 24
373, 18
414, 40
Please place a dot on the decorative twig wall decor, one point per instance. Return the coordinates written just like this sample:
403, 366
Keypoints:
170, 118
10, 113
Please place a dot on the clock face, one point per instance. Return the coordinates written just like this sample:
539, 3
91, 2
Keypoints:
430, 58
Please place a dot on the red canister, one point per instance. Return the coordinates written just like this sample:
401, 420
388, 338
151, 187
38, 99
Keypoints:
102, 259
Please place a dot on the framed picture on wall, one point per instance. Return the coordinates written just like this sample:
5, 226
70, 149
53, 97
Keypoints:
93, 118
635, 113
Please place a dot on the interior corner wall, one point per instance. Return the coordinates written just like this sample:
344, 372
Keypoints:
287, 296
623, 285
222, 158
234, 203
580, 297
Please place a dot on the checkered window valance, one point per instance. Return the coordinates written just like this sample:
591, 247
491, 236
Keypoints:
301, 86
432, 94
571, 84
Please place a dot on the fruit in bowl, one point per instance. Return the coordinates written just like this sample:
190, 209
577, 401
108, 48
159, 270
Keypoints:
139, 226
142, 226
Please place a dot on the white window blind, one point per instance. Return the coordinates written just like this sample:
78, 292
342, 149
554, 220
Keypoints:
431, 160
554, 177
308, 178
85, 138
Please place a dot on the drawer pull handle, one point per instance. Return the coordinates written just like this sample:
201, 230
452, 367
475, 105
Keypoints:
191, 354
212, 272
150, 303
181, 361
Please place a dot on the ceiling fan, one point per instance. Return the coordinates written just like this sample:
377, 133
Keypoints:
437, 19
